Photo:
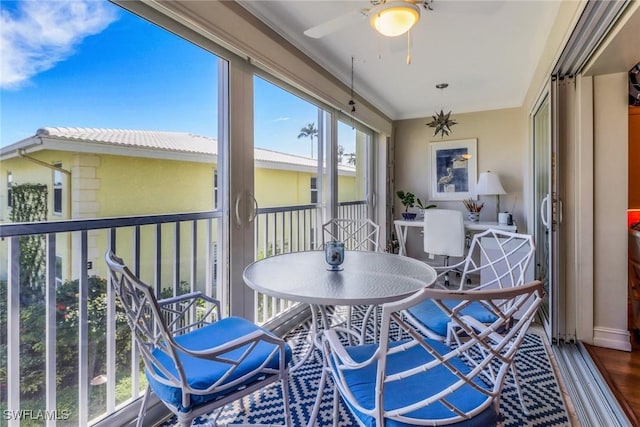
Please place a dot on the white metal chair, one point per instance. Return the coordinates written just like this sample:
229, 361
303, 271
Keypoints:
420, 381
495, 260
357, 235
195, 361
444, 235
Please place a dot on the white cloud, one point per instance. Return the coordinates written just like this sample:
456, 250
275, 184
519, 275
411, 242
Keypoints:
281, 119
38, 34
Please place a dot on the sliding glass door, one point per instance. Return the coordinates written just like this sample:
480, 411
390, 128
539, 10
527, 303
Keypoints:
546, 209
541, 186
310, 164
354, 171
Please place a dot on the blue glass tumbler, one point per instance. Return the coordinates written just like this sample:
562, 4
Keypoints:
334, 255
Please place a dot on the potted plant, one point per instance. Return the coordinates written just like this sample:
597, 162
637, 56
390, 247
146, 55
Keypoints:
423, 206
408, 200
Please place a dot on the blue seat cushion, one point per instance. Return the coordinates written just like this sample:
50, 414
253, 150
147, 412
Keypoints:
362, 383
202, 373
431, 316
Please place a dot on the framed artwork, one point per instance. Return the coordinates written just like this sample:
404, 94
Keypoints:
453, 169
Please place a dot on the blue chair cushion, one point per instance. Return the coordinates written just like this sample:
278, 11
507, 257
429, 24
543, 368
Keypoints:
202, 373
431, 316
362, 383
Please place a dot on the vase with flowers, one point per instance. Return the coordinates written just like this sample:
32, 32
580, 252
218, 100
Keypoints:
473, 209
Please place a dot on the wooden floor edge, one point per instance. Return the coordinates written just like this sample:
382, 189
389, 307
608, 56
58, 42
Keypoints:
612, 385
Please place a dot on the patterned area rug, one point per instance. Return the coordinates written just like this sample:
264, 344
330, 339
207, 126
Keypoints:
542, 394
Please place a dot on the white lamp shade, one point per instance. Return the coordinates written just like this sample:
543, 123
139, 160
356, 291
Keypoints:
489, 184
395, 18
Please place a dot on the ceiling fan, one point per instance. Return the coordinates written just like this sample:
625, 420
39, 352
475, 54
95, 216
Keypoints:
390, 18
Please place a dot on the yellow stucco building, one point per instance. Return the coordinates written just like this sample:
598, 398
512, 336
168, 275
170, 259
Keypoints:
108, 173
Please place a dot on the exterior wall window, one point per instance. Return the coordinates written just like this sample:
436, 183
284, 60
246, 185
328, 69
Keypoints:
58, 271
57, 190
9, 189
314, 189
215, 188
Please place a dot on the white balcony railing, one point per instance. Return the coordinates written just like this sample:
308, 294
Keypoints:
66, 355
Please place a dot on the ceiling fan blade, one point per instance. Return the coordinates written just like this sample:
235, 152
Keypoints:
336, 24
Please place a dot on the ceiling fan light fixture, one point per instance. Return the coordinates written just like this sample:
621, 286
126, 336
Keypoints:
395, 18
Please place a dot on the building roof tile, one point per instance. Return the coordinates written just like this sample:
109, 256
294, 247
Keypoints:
183, 142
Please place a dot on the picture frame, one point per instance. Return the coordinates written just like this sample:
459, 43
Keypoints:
454, 169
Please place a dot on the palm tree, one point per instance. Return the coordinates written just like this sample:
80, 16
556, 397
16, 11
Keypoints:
351, 158
309, 131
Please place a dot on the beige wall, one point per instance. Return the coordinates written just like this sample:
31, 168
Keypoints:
610, 209
501, 148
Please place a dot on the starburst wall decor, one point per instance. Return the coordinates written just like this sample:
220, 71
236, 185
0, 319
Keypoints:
442, 122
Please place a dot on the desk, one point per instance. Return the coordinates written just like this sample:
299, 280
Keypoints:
402, 225
368, 278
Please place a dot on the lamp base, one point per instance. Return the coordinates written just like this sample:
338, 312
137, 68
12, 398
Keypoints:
503, 218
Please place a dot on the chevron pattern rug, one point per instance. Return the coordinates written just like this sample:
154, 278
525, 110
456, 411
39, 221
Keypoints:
264, 408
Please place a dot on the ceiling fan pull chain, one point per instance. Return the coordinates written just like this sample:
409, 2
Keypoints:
409, 47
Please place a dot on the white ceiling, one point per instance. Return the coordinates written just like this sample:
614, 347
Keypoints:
486, 50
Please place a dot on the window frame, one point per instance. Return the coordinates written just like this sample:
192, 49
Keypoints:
9, 189
57, 193
313, 188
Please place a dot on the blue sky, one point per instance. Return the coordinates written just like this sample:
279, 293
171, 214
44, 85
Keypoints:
88, 63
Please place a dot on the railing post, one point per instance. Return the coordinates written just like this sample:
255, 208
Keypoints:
83, 335
13, 332
111, 335
50, 327
176, 259
135, 371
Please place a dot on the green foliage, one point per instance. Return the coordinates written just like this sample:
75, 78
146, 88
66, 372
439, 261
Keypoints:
422, 205
32, 337
29, 204
408, 199
309, 131
33, 346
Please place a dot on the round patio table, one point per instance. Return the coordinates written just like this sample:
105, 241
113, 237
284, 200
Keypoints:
367, 278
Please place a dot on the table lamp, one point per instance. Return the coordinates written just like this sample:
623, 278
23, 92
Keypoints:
489, 185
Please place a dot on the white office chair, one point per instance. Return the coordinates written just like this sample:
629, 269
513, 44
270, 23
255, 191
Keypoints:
444, 235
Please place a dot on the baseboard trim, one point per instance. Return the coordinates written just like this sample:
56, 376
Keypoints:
612, 338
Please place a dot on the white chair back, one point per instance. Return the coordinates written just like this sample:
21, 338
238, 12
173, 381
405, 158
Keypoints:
356, 234
498, 259
444, 232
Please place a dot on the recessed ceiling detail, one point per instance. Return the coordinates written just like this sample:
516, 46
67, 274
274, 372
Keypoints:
488, 51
